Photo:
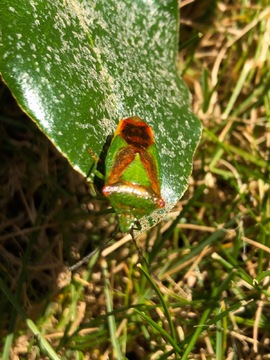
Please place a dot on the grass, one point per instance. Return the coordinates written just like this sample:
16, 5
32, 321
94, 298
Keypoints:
206, 292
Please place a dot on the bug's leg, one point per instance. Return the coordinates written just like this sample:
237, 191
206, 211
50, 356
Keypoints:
92, 253
94, 172
90, 182
137, 226
93, 155
96, 161
84, 260
137, 247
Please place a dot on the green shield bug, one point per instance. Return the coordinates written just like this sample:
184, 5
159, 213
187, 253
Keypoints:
132, 175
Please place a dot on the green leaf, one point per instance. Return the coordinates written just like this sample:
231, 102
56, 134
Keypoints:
78, 67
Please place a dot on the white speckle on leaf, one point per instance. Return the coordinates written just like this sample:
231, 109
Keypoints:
169, 152
84, 126
48, 67
187, 124
34, 100
108, 125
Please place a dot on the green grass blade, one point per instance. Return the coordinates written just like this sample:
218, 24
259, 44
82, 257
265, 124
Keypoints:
110, 310
163, 302
164, 333
45, 346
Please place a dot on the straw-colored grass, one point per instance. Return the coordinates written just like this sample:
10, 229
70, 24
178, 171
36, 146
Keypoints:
205, 294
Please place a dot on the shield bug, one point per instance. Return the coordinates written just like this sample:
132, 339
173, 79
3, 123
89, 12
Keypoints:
132, 173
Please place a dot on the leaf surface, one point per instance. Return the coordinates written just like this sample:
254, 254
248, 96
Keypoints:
78, 67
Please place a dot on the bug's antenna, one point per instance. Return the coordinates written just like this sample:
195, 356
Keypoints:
137, 247
92, 253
